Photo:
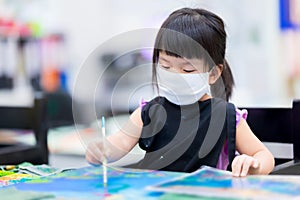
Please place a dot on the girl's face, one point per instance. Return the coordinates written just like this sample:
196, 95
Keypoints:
181, 65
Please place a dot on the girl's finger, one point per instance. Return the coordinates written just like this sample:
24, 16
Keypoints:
237, 165
94, 153
248, 162
255, 163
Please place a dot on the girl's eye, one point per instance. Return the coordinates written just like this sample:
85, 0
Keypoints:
188, 70
165, 67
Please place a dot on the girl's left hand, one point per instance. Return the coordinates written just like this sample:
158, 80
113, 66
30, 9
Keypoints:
242, 165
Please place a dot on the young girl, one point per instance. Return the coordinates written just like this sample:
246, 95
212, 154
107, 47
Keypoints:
190, 123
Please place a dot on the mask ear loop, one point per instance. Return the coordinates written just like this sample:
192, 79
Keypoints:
213, 74
212, 71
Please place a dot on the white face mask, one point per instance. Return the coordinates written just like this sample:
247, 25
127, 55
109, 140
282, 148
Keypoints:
182, 89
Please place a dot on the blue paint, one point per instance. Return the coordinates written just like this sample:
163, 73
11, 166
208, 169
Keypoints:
88, 182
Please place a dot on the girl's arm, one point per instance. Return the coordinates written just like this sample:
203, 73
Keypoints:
255, 158
118, 144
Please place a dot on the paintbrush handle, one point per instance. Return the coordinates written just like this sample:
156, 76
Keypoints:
104, 162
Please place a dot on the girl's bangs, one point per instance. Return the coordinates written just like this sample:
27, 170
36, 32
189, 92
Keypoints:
179, 45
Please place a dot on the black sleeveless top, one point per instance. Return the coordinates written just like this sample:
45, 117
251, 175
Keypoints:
183, 138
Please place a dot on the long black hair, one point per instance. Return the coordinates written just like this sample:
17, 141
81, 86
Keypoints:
196, 33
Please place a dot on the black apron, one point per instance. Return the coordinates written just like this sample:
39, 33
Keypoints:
183, 138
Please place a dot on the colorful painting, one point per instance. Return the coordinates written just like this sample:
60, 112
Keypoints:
87, 183
11, 179
206, 183
212, 182
11, 174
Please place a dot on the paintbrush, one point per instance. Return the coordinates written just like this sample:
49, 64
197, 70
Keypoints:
104, 162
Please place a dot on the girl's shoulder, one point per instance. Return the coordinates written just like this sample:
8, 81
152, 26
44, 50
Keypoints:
144, 103
239, 113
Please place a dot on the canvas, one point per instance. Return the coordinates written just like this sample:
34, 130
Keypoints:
211, 182
87, 183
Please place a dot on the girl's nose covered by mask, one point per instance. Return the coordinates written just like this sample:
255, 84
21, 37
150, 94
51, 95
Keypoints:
182, 89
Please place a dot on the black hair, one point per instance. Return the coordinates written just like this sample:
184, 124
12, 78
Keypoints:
196, 33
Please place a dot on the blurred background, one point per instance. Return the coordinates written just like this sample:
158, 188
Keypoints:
45, 43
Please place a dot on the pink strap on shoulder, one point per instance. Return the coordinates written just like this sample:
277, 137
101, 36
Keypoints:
240, 114
142, 103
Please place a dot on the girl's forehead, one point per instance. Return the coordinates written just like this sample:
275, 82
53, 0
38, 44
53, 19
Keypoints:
180, 60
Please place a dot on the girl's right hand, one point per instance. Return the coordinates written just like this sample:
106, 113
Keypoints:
94, 153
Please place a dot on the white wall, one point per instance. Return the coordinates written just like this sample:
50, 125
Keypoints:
252, 27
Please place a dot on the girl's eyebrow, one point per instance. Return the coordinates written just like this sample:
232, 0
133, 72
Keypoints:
163, 59
183, 63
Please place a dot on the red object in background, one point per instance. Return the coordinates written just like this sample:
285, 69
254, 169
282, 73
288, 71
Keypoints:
8, 27
50, 80
24, 31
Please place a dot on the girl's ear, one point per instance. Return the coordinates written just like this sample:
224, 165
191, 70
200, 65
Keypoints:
215, 73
